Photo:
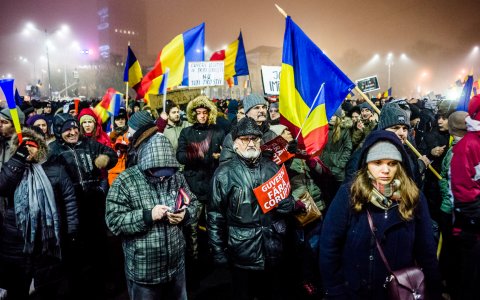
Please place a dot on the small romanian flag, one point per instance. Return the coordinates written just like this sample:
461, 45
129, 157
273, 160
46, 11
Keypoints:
133, 72
235, 60
387, 93
312, 87
184, 48
102, 108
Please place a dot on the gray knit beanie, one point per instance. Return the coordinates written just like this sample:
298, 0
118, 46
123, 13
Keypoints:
456, 123
253, 100
5, 113
140, 119
392, 115
383, 150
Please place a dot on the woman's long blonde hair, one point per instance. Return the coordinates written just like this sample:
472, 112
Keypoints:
337, 130
361, 192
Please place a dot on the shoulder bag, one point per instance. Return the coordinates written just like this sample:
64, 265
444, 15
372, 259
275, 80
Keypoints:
404, 284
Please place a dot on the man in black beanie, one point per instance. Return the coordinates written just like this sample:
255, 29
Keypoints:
238, 228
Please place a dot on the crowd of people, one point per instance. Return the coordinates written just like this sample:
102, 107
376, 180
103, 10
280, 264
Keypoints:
159, 202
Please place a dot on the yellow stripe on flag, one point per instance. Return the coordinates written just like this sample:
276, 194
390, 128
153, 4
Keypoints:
297, 110
135, 74
230, 59
173, 57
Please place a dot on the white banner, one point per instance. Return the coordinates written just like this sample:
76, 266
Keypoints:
206, 73
271, 79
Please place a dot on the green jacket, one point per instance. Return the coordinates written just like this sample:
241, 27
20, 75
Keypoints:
173, 133
154, 251
359, 135
445, 183
336, 155
301, 180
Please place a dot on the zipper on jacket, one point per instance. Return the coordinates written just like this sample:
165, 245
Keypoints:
78, 167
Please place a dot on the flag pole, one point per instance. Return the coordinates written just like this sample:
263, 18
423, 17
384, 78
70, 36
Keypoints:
418, 154
310, 110
281, 10
126, 91
167, 70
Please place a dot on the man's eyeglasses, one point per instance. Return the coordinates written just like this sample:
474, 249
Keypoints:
247, 139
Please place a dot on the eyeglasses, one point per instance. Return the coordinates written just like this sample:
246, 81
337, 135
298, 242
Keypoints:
247, 139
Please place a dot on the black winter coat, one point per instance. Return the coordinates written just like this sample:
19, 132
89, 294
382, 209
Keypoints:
44, 270
196, 145
239, 232
79, 161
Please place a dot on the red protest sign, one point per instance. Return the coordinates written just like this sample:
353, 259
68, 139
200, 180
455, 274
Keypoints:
279, 148
270, 193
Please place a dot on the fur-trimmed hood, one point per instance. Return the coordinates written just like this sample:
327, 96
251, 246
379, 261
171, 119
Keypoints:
30, 134
346, 123
201, 102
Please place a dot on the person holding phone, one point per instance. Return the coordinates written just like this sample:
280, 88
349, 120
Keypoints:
147, 205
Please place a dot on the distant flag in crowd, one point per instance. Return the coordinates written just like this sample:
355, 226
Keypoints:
184, 48
6, 85
114, 106
133, 71
387, 93
465, 96
18, 98
102, 108
476, 88
350, 95
235, 60
312, 87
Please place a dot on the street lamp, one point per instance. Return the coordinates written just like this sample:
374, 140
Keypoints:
61, 31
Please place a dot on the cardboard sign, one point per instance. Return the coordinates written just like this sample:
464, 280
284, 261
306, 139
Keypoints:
206, 73
279, 148
368, 84
271, 79
270, 193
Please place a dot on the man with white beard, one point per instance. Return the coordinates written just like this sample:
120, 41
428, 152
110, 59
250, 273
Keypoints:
241, 236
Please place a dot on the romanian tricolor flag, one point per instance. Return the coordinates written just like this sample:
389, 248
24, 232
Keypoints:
387, 93
235, 59
184, 48
312, 87
464, 98
102, 108
133, 72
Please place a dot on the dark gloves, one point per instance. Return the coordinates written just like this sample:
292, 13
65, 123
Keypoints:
21, 153
292, 146
299, 207
268, 154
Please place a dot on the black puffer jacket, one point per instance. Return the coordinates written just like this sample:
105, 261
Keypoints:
239, 232
199, 168
79, 161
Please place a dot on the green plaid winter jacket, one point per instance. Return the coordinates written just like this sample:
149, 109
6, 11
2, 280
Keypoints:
154, 253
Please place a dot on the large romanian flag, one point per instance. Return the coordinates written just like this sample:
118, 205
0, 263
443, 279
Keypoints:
184, 48
234, 58
312, 87
133, 72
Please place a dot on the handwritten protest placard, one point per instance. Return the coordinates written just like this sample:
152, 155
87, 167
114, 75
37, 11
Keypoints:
270, 193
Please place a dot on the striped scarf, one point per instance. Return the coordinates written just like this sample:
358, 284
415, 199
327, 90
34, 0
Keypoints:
35, 209
383, 195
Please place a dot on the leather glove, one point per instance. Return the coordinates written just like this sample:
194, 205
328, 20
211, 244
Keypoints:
267, 154
299, 207
292, 146
21, 153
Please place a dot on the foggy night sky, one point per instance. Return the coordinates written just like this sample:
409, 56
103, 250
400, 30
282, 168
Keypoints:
438, 35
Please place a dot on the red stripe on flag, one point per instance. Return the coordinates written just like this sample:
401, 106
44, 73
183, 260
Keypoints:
309, 143
218, 55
